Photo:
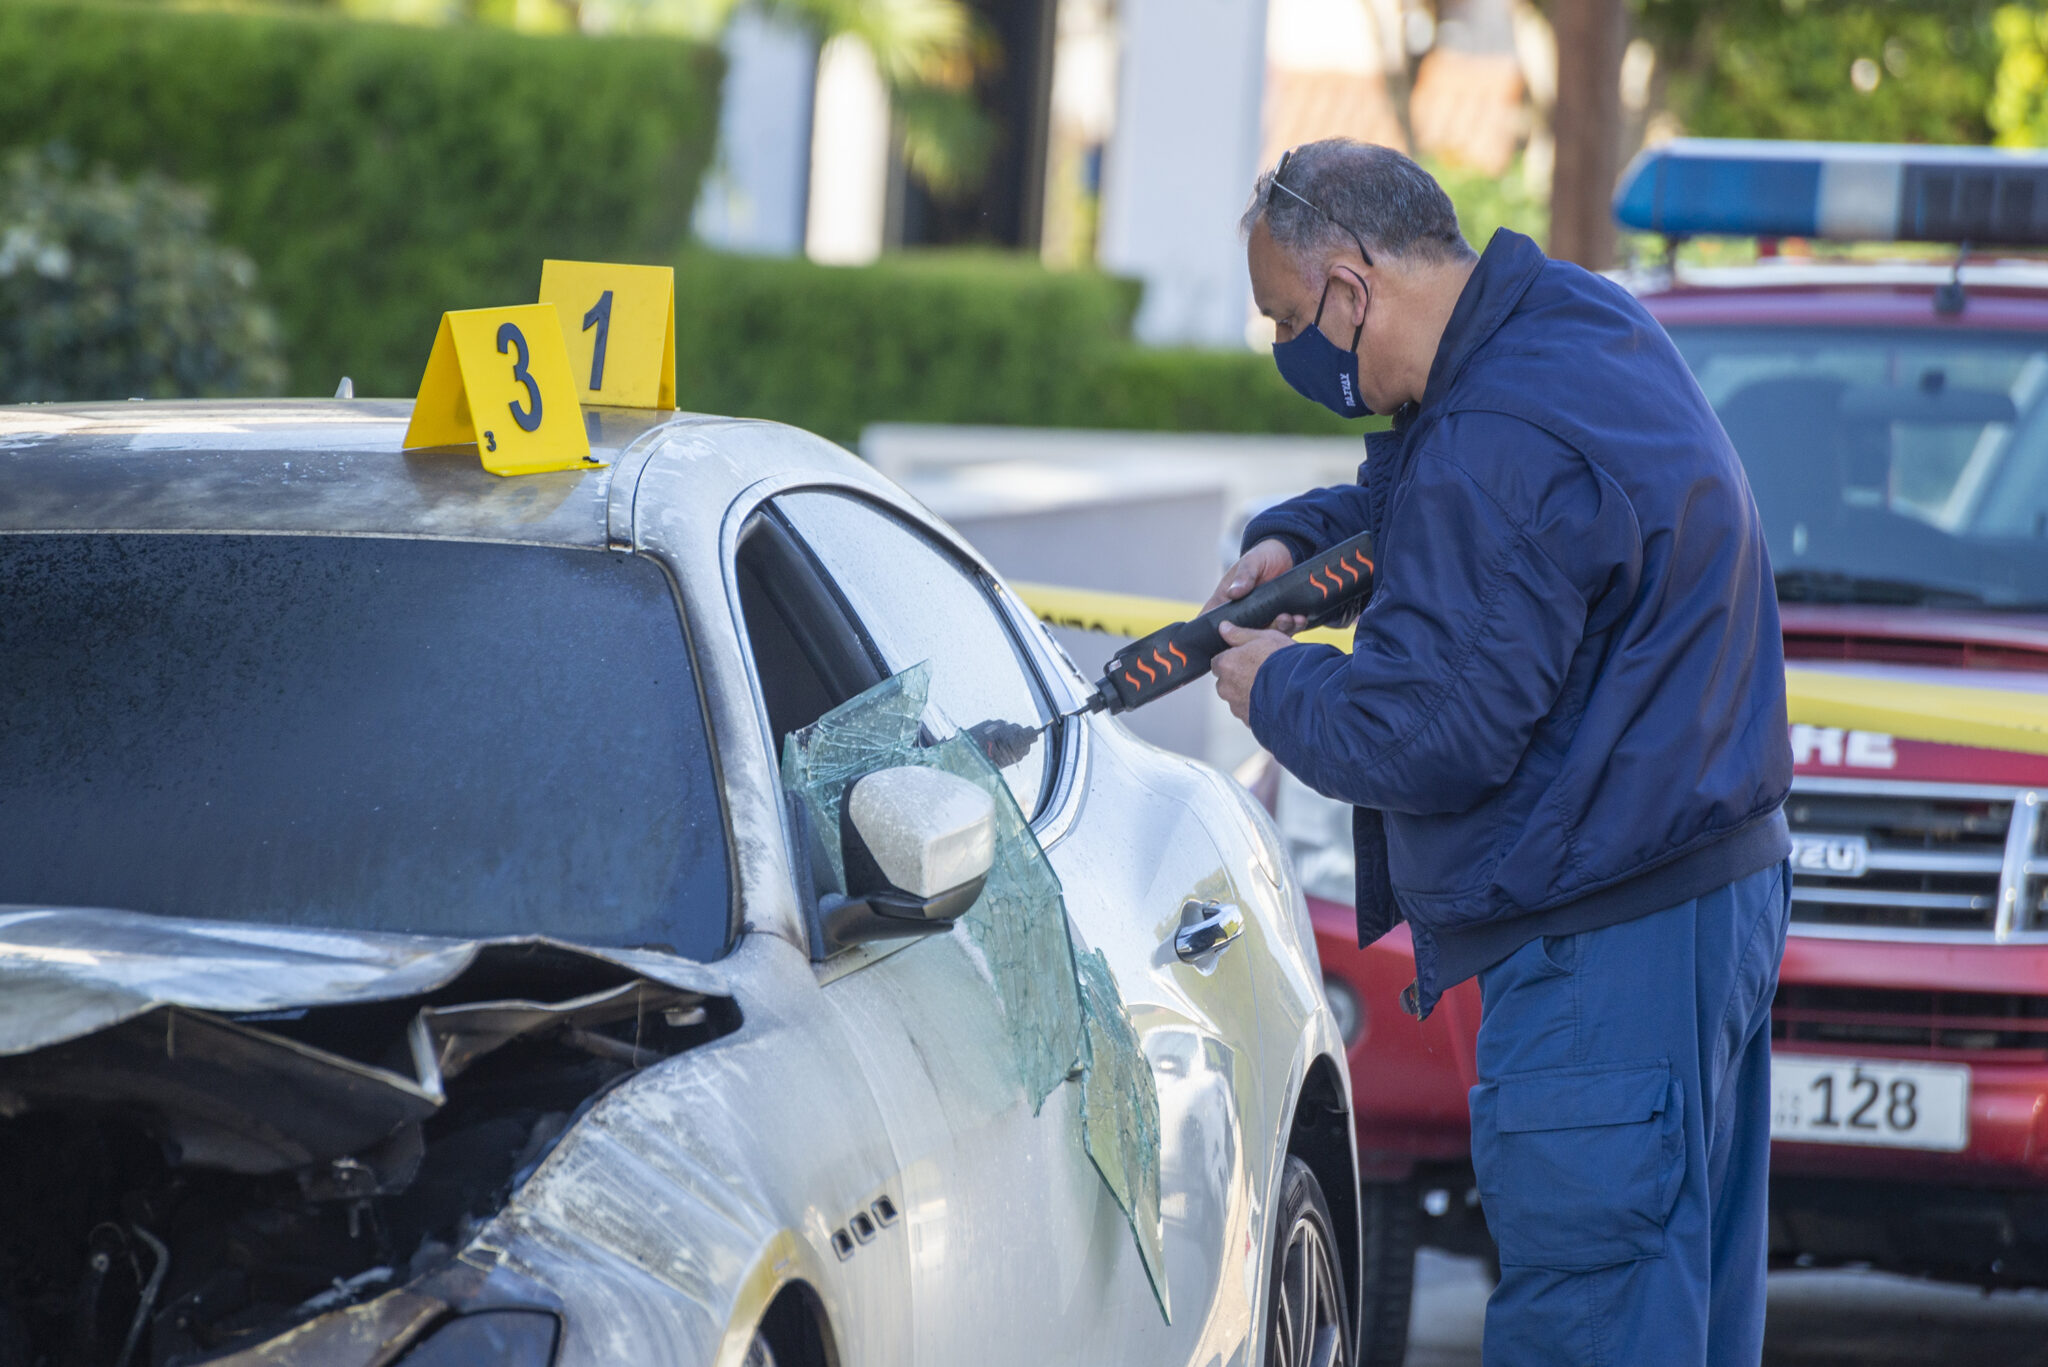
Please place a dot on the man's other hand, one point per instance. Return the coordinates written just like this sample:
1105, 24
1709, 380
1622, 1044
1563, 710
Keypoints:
1268, 560
1237, 667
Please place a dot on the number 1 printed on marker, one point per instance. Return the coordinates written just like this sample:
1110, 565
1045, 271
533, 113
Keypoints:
600, 317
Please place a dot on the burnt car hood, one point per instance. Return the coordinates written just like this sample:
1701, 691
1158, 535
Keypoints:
257, 1048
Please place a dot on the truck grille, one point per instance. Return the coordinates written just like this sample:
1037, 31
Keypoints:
1944, 860
1900, 1022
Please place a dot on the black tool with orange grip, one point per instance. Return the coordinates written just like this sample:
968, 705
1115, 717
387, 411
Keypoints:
1321, 589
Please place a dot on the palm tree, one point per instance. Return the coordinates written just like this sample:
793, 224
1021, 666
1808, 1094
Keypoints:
927, 51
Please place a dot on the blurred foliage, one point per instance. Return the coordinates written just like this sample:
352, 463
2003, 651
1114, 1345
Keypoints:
956, 337
111, 289
928, 53
377, 175
1485, 202
1844, 70
1187, 390
947, 138
2019, 93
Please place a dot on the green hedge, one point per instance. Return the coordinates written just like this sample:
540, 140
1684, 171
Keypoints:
1208, 391
112, 288
952, 337
377, 175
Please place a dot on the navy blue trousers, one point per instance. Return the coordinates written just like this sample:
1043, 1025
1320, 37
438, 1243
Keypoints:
1621, 1135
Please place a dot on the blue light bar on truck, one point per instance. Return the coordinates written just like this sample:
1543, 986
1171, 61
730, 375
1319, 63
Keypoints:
1846, 192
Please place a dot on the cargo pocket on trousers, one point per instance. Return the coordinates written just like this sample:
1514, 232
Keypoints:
1579, 1167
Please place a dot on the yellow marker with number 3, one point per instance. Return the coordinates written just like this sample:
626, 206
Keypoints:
619, 324
500, 378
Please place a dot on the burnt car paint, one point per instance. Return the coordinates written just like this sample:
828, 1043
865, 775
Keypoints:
755, 1130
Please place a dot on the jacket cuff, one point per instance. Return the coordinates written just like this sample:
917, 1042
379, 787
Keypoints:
1298, 546
1269, 708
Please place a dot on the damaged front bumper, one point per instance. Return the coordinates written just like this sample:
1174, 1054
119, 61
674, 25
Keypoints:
227, 1143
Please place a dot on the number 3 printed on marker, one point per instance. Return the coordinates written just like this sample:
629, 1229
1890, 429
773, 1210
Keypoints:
510, 335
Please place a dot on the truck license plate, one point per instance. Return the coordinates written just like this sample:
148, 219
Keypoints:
1858, 1101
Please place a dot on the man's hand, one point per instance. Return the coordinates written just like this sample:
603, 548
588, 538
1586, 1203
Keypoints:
1268, 560
1237, 667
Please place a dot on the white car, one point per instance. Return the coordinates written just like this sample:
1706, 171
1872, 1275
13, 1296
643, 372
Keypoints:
629, 915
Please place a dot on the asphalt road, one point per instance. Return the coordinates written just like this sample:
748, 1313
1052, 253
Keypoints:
1817, 1319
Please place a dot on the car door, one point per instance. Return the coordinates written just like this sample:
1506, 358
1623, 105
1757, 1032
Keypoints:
1031, 1239
1143, 868
990, 1198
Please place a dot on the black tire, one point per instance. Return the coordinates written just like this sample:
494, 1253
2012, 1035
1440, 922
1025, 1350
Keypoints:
1391, 1216
1305, 1300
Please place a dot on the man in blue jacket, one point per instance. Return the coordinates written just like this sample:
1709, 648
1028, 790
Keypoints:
1562, 727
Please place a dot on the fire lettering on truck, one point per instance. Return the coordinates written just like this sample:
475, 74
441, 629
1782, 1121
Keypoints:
1831, 746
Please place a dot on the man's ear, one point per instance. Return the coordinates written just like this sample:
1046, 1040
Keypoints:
1349, 285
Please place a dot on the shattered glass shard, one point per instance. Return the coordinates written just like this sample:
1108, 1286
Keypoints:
1020, 921
1020, 926
877, 730
1120, 1115
1061, 1008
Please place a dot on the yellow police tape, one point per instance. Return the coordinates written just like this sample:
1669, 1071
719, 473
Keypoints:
1994, 719
1127, 614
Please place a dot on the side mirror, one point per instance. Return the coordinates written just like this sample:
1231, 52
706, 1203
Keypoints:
918, 844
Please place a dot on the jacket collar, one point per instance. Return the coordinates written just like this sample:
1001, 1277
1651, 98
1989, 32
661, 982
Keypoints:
1505, 271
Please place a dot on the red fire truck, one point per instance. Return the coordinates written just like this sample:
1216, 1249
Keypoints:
1893, 419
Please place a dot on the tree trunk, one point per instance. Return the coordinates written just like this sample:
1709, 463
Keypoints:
1586, 123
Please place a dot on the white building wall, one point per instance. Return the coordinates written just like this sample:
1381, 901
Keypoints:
753, 199
1181, 161
849, 209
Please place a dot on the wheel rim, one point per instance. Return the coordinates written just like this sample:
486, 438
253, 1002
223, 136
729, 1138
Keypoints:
1308, 1329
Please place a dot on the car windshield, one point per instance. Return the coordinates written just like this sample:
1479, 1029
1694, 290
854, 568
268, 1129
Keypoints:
1903, 466
438, 737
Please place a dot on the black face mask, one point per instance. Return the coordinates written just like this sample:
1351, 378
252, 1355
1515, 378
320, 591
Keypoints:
1321, 370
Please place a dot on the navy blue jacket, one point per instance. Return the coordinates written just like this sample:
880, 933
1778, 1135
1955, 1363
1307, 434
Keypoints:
1565, 707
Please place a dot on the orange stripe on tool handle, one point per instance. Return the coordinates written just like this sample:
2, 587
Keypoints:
1364, 560
1321, 587
1346, 567
1176, 652
1135, 685
1150, 677
1164, 663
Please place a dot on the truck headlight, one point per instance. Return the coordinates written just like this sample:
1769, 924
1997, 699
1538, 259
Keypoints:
1346, 1007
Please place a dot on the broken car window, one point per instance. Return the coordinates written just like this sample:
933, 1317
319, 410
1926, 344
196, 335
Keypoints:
919, 604
1020, 922
1065, 1016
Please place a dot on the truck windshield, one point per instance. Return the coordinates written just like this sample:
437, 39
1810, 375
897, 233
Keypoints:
1900, 466
437, 737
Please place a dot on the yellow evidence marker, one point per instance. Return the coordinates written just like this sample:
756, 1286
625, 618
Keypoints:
500, 378
623, 353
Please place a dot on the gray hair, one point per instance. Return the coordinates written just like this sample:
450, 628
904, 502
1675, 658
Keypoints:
1342, 188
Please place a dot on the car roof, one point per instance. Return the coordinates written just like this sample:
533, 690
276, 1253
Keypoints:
303, 465
1999, 295
1787, 272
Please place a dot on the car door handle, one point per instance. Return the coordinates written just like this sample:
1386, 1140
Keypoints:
1205, 928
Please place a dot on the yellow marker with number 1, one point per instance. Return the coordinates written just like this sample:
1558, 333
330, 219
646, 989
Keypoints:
500, 378
619, 323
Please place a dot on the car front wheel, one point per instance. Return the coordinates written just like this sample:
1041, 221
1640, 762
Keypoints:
1307, 1318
